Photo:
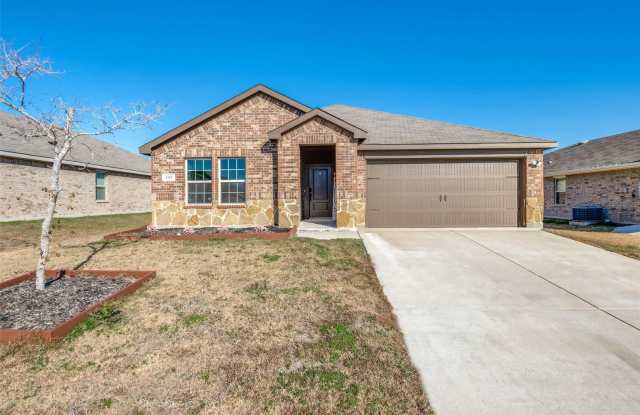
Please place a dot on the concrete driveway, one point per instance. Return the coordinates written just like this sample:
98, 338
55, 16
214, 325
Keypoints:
514, 321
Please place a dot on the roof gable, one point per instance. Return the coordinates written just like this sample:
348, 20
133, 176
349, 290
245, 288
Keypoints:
612, 152
358, 133
146, 148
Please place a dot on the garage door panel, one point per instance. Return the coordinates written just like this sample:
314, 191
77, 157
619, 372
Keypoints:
431, 193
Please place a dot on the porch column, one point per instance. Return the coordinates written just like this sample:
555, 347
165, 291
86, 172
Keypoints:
289, 203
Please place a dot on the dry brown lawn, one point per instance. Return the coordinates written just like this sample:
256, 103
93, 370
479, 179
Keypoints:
295, 326
624, 244
26, 234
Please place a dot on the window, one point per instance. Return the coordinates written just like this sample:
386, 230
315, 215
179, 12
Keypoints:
198, 181
232, 181
560, 189
101, 186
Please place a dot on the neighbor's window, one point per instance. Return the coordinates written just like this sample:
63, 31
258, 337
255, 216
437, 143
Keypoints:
560, 188
101, 186
232, 181
199, 181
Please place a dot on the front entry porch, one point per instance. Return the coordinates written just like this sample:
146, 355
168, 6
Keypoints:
324, 228
317, 183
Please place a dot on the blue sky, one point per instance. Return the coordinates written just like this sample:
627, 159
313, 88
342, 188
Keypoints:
565, 71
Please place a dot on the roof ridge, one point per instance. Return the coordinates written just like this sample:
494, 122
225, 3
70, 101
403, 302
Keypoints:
589, 142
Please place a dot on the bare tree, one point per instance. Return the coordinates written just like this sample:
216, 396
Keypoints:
60, 125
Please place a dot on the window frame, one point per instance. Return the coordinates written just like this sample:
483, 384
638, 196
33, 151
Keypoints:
187, 181
104, 186
556, 192
220, 181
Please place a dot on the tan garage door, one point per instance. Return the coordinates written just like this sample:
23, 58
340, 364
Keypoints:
442, 194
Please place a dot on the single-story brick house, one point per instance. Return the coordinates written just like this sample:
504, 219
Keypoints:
97, 178
604, 172
264, 158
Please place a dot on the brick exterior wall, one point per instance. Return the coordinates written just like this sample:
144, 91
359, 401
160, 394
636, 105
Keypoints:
23, 193
534, 202
613, 190
273, 171
350, 172
240, 131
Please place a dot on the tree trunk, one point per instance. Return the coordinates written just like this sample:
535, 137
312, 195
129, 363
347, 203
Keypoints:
45, 234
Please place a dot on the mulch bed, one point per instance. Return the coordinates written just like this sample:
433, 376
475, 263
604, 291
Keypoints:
24, 307
216, 230
69, 297
204, 233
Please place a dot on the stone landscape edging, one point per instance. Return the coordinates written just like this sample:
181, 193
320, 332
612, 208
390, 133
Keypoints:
61, 330
268, 235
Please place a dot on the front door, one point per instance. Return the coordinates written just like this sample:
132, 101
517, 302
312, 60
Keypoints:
320, 189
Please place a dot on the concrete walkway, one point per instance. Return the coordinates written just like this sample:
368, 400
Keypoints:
324, 228
514, 321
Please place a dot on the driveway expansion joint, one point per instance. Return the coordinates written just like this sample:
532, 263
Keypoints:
547, 280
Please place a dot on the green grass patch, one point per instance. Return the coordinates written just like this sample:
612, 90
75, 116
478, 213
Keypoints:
168, 328
338, 340
257, 289
107, 316
270, 257
194, 319
105, 403
322, 251
297, 384
556, 221
40, 362
338, 337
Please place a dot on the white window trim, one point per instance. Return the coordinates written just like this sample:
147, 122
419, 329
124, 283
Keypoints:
187, 181
231, 181
555, 191
106, 186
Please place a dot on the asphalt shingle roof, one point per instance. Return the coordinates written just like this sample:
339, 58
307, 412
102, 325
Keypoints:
612, 151
392, 129
86, 150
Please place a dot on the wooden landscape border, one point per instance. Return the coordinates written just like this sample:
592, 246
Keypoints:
61, 330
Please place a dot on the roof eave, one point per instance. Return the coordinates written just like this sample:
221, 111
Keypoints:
455, 146
571, 172
24, 156
147, 147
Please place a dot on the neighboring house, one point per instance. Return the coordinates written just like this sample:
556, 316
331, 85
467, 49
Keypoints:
604, 172
264, 158
97, 178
